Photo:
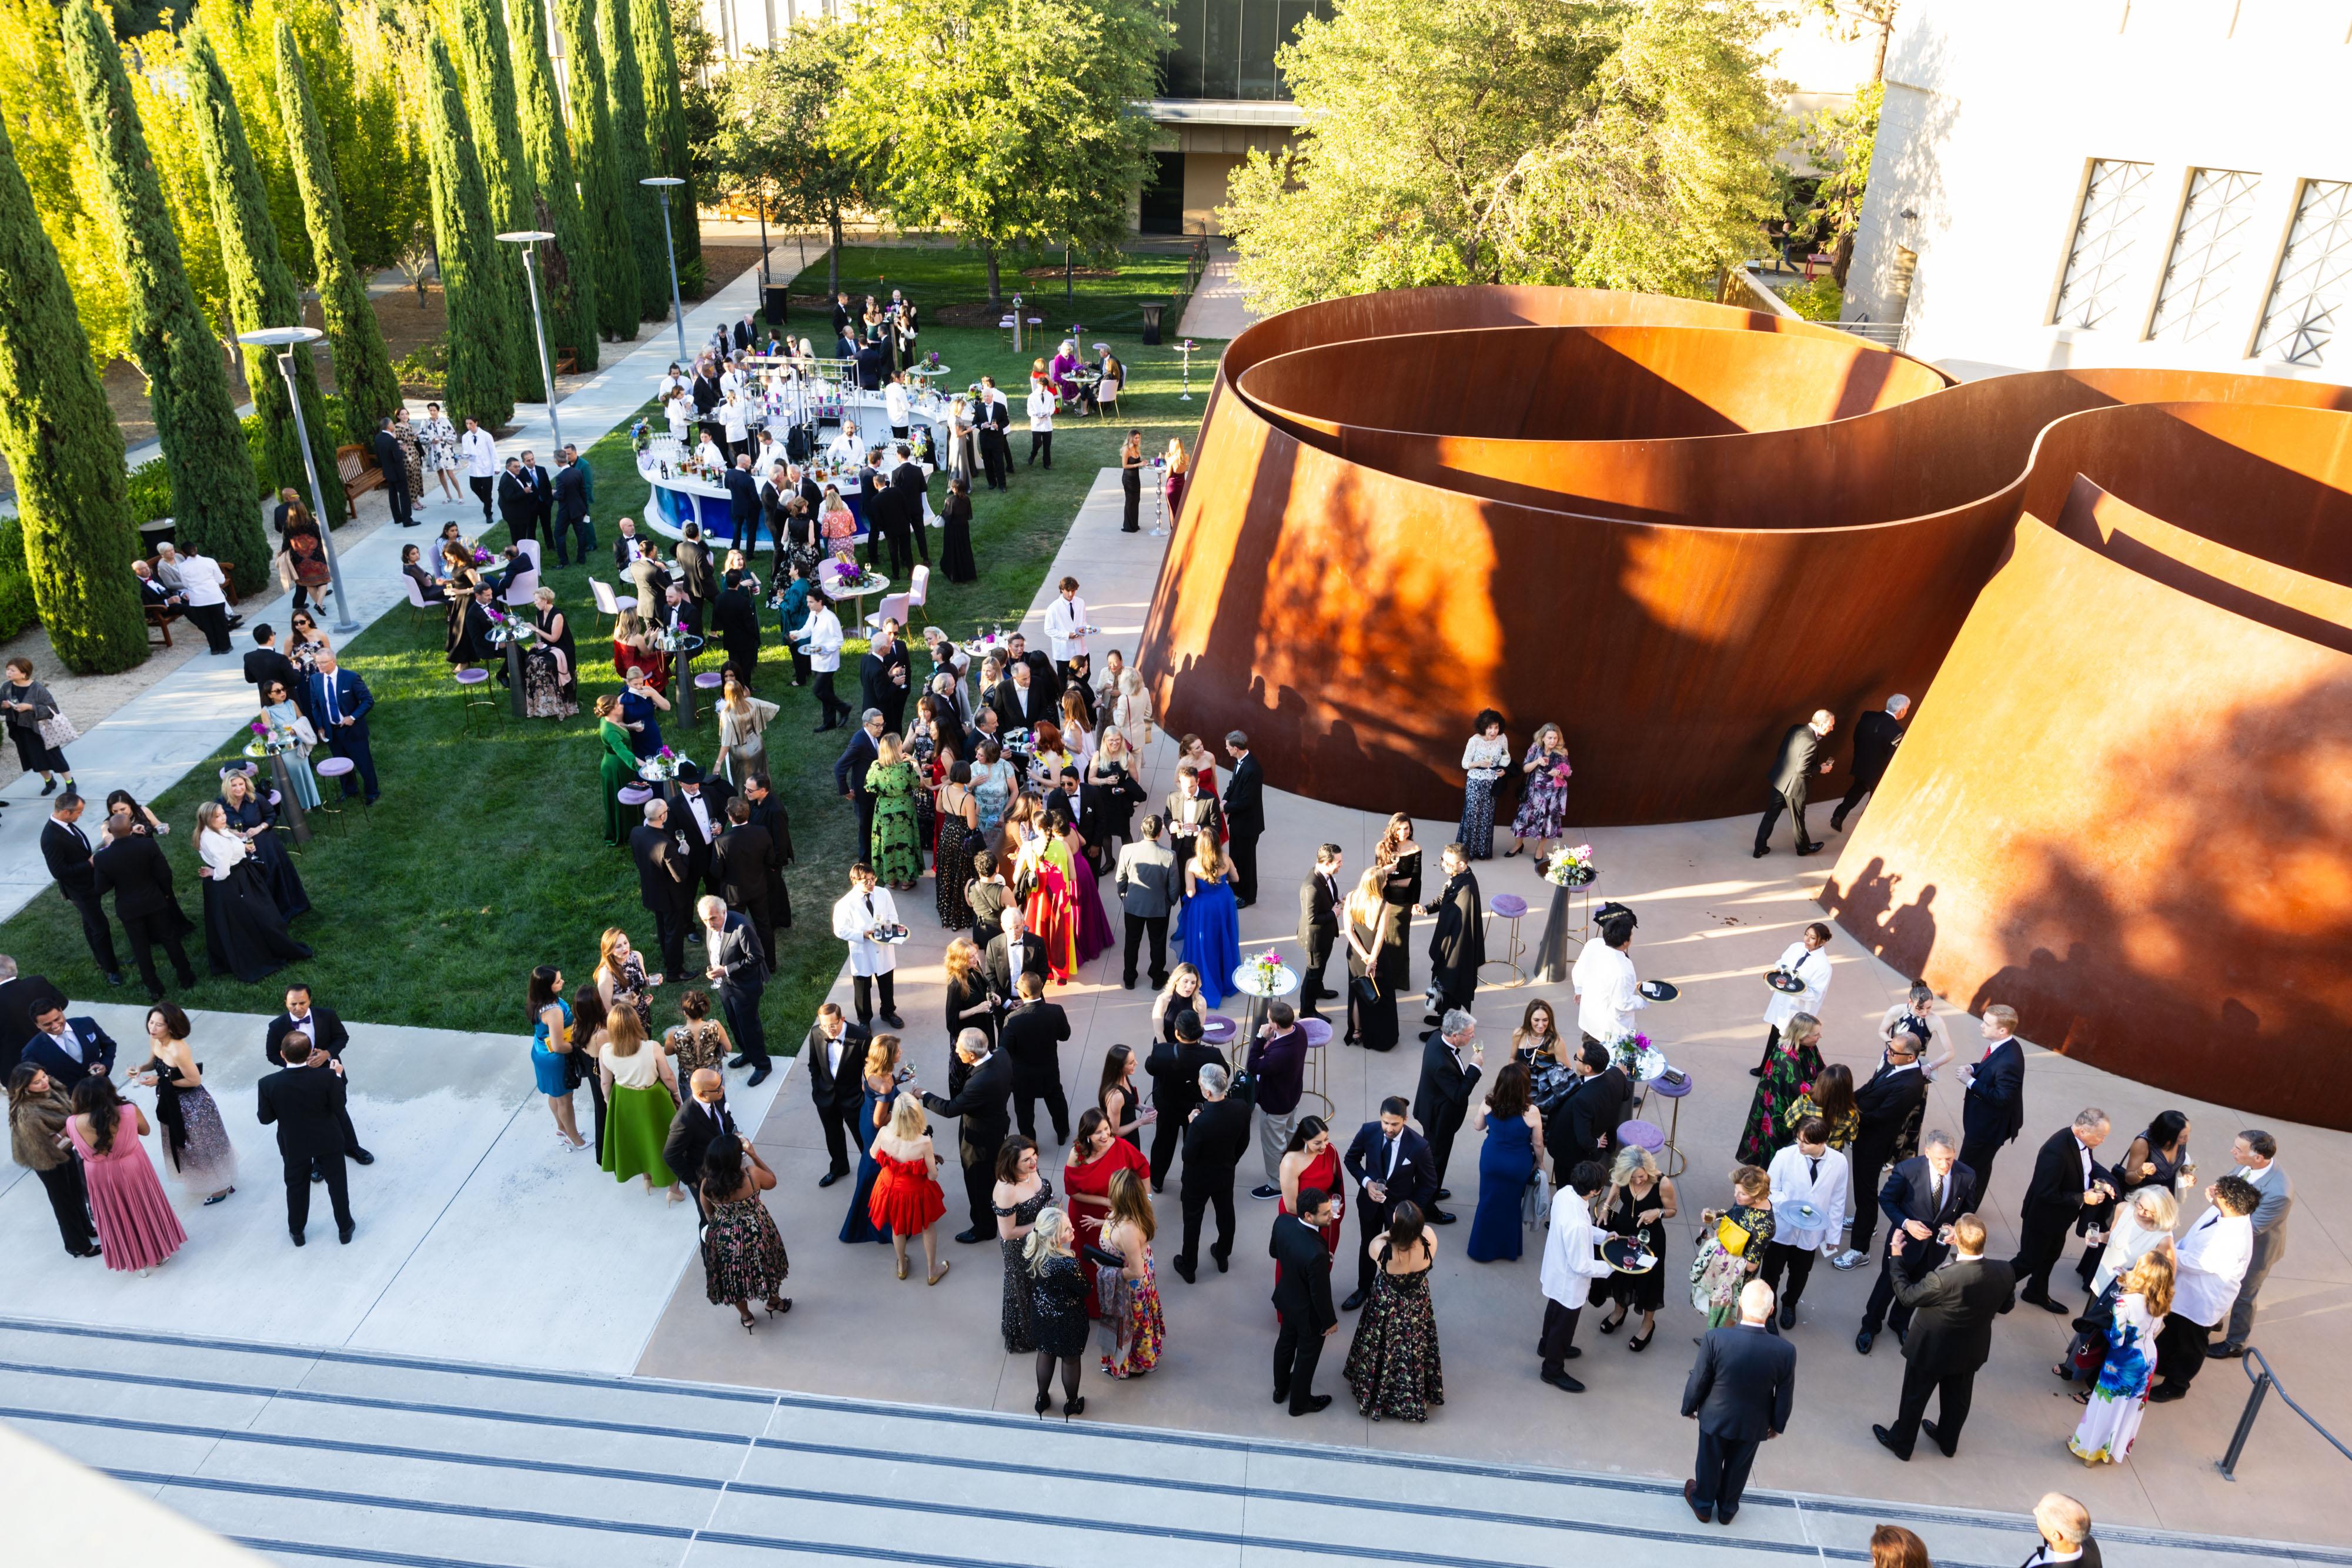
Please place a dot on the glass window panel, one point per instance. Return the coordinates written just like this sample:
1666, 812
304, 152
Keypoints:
2313, 287
2107, 234
1221, 48
1259, 37
1184, 55
2208, 249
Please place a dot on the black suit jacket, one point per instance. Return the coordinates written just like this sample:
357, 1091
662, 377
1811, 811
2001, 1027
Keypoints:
543, 491
874, 686
517, 503
1952, 1311
986, 1103
736, 620
1319, 914
263, 666
622, 557
662, 867
1792, 774
1995, 1107
2053, 1195
1032, 1034
742, 497
19, 998
1244, 798
1302, 1287
740, 862
841, 1091
1216, 1140
1176, 1075
1595, 1111
324, 1028
136, 871
390, 458
1415, 1177
1008, 715
1001, 975
1744, 1384
693, 558
68, 858
572, 491
1457, 937
1887, 1103
305, 1104
1444, 1092
856, 758
1909, 1194
715, 795
691, 1133
98, 1052
906, 492
1876, 734
742, 963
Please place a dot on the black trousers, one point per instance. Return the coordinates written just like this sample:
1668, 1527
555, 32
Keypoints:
70, 1201
148, 931
1137, 927
865, 807
980, 1184
902, 550
1855, 792
1953, 1390
397, 492
2039, 1247
98, 933
211, 619
991, 460
669, 935
597, 1100
1167, 1136
2181, 1349
1242, 847
1297, 1348
862, 989
1204, 1190
1041, 441
585, 527
1025, 1097
482, 489
1722, 1467
1311, 989
1976, 1152
1792, 804
1559, 1334
835, 1121
1441, 1139
831, 705
741, 1005
1799, 1263
1867, 1169
297, 1189
1918, 1258
756, 912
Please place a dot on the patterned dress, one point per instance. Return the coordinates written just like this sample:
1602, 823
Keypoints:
2106, 1432
196, 1141
1483, 761
1773, 1122
695, 1045
1394, 1368
1718, 1272
1543, 796
951, 866
898, 855
1131, 1316
742, 1255
1020, 1336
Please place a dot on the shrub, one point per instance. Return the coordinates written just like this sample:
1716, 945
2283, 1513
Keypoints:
16, 608
427, 367
1820, 300
12, 544
150, 494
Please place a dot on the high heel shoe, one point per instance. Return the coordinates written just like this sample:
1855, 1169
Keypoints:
1610, 1325
1074, 1407
749, 1322
1045, 1402
778, 1304
1642, 1341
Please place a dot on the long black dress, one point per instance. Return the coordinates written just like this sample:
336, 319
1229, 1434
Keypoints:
277, 867
1019, 1336
244, 933
1375, 1022
546, 678
1402, 892
1644, 1292
956, 561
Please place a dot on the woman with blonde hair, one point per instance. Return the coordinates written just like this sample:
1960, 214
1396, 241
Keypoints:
879, 1085
243, 929
971, 1004
641, 1095
632, 649
1057, 1307
1366, 915
1078, 734
1132, 712
741, 718
1175, 481
1733, 1247
1543, 796
1131, 1318
906, 1200
621, 978
2105, 1432
1639, 1202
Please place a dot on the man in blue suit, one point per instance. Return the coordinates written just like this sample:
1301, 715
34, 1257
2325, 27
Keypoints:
67, 1049
339, 706
1923, 1199
1994, 1111
1740, 1391
1390, 1164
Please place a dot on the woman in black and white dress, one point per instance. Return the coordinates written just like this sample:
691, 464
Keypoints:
244, 933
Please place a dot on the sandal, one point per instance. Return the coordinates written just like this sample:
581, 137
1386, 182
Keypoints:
778, 1304
2081, 1396
1610, 1325
943, 1274
1643, 1342
749, 1323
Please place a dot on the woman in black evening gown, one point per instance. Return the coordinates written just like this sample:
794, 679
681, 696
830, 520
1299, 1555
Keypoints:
251, 818
244, 933
956, 560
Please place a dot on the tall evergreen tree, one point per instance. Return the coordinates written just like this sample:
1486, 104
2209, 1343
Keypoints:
611, 238
625, 89
261, 291
64, 450
506, 171
362, 367
480, 381
566, 273
666, 121
216, 498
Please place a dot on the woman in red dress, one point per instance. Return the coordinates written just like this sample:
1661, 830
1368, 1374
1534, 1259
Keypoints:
1312, 1160
1194, 751
1052, 911
1094, 1158
906, 1200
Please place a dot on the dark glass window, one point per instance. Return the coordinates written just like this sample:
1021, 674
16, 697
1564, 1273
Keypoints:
1221, 48
1180, 70
1259, 39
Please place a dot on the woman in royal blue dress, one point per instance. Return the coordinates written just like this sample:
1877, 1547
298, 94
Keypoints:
1507, 1162
639, 705
1212, 920
881, 1088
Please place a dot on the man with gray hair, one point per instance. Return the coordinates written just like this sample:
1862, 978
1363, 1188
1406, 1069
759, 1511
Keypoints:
1450, 1064
662, 884
1922, 1200
849, 771
1799, 759
2066, 1540
1216, 1136
2256, 1154
985, 1105
1875, 737
2070, 1190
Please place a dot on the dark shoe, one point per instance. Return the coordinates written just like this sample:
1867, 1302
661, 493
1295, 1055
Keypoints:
1160, 982
1862, 1341
2227, 1351
48, 786
968, 1237
830, 1177
1760, 853
298, 1237
1787, 1314
1755, 1073
1045, 1402
758, 1078
112, 979
1224, 1260
344, 1233
1837, 824
737, 1060
317, 1177
361, 1157
1571, 1353
1074, 1407
1315, 1405
1723, 1519
1184, 1271
1810, 848
894, 1020
1355, 1299
1439, 1217
2166, 1393
1444, 1193
1265, 1193
1562, 1381
2047, 1306
1690, 1496
1282, 1396
1937, 1438
1887, 1441
1129, 982
1640, 1342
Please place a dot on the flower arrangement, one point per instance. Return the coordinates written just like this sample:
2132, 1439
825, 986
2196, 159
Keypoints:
1626, 1052
641, 436
662, 764
931, 360
1265, 969
1570, 866
481, 556
844, 573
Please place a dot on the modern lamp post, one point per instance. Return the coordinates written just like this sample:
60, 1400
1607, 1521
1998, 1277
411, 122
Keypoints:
529, 239
284, 341
662, 183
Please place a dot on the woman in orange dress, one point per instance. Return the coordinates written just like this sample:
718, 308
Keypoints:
1097, 1155
1052, 907
1311, 1160
906, 1200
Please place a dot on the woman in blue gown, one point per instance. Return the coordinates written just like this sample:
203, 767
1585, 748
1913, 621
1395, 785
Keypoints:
250, 818
881, 1090
1507, 1162
641, 706
1211, 922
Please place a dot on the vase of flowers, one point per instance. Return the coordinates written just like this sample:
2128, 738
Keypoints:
1264, 970
1570, 866
1626, 1050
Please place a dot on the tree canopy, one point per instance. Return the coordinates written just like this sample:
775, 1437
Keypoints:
771, 142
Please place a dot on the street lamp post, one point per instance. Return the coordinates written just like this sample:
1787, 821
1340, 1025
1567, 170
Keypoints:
284, 341
529, 240
662, 183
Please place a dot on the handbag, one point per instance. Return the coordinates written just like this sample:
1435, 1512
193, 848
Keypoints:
1732, 1236
57, 730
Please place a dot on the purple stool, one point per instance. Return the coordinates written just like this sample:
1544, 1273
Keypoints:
1640, 1135
1312, 1082
333, 768
707, 681
1673, 1164
470, 683
1508, 906
1218, 1029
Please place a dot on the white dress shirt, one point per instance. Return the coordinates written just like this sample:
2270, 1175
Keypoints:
1571, 1257
480, 452
1608, 994
200, 578
856, 913
895, 405
1041, 407
1811, 966
2212, 1263
822, 629
1796, 1178
700, 808
842, 451
1066, 627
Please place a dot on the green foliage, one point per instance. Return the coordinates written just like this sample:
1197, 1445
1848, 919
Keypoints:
149, 494
187, 387
624, 90
362, 365
63, 451
427, 365
1823, 300
611, 233
480, 381
1841, 141
507, 181
1603, 144
1012, 122
159, 86
771, 140
261, 291
567, 274
60, 167
669, 143
18, 607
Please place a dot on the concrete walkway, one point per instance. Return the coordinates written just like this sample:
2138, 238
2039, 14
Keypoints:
1216, 309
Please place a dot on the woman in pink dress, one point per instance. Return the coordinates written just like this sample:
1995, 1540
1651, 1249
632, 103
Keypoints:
136, 1227
1095, 935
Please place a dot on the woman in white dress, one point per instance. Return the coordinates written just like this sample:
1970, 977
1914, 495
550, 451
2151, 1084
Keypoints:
2117, 1401
1132, 712
440, 438
2144, 1227
1806, 960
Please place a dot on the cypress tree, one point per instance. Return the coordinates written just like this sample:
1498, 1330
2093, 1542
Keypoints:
479, 382
624, 88
565, 273
612, 238
261, 291
362, 367
215, 500
64, 450
505, 173
666, 122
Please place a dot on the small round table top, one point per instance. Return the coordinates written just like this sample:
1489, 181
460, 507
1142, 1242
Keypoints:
872, 582
1250, 981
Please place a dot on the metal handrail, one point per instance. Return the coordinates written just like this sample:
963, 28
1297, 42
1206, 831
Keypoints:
2264, 1382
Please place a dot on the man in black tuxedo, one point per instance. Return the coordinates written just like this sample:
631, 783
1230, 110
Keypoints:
691, 557
735, 621
1894, 1095
737, 966
1175, 1068
628, 548
663, 887
1390, 1164
836, 1054
981, 1103
21, 996
392, 463
325, 1031
518, 501
304, 1101
575, 492
1244, 815
873, 365
1302, 1297
1032, 1035
1799, 759
67, 848
1993, 1114
543, 493
1216, 1135
699, 812
910, 494
874, 506
67, 1049
739, 869
1011, 953
849, 771
1190, 811
267, 664
701, 1120
883, 676
1741, 1392
768, 813
1922, 1199
680, 612
995, 439
1319, 897
1450, 1064
1952, 1311
1018, 701
2067, 1539
2069, 1191
1875, 737
1595, 1111
743, 505
1457, 937
135, 870
1041, 674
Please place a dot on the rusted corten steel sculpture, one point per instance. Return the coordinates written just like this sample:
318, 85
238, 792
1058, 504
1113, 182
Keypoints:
2124, 807
1671, 526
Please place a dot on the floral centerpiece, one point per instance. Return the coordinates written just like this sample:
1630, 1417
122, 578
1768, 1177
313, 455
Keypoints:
1635, 1056
641, 435
662, 764
481, 556
1264, 970
1570, 866
843, 574
931, 360
264, 742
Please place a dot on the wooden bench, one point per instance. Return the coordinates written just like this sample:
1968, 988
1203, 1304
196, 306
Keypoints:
159, 620
356, 465
567, 361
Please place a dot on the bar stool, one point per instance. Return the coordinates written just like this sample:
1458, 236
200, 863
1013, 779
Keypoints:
1313, 1082
1218, 1029
330, 770
1674, 1164
634, 794
1508, 906
470, 683
1641, 1134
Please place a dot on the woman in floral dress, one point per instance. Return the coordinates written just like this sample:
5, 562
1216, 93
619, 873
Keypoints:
991, 787
1543, 798
440, 439
1131, 1318
743, 1258
1393, 1369
957, 816
2105, 1434
1732, 1247
1771, 1121
1483, 758
412, 451
895, 852
700, 1041
621, 978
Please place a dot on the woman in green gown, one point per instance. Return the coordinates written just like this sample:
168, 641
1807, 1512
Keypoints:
1789, 1078
896, 853
618, 765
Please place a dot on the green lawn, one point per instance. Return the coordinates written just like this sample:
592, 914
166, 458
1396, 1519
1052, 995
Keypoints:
487, 855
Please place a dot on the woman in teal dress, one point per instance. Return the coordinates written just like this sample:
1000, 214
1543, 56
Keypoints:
895, 852
618, 768
551, 1052
880, 1085
991, 787
1506, 1162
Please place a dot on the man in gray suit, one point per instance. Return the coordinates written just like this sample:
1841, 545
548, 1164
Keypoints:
2256, 1152
1146, 878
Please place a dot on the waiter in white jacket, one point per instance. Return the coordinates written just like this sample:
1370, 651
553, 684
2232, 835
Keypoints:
1065, 628
1806, 960
856, 914
1807, 1172
1041, 419
1608, 992
1571, 1261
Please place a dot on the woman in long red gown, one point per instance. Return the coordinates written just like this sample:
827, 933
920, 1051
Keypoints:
1312, 1159
1098, 1154
1052, 911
